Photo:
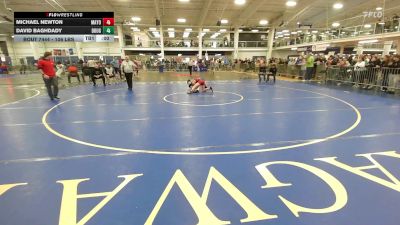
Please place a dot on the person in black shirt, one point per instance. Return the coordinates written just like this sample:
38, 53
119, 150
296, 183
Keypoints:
98, 74
272, 72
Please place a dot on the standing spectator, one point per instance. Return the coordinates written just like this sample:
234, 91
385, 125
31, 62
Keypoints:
360, 69
46, 67
386, 62
116, 66
309, 66
136, 67
190, 66
302, 64
23, 66
128, 67
372, 71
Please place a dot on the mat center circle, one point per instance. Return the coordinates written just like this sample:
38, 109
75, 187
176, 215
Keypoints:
218, 98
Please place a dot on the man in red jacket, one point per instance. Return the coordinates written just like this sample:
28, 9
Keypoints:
46, 67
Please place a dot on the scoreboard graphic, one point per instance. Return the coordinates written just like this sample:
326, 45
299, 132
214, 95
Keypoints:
64, 26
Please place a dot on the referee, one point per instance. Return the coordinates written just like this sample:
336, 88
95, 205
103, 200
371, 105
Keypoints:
128, 67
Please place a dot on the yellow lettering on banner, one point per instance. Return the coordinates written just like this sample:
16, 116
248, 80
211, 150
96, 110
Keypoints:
394, 183
337, 187
5, 187
69, 202
199, 203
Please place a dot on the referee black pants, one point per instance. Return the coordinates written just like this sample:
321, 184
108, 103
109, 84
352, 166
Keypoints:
128, 77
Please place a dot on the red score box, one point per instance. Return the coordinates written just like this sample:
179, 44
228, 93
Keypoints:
108, 21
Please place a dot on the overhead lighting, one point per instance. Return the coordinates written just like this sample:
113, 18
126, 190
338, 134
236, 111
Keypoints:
280, 36
206, 30
338, 5
379, 8
152, 28
136, 19
114, 36
240, 2
298, 23
314, 32
181, 20
293, 49
170, 29
291, 3
224, 21
263, 22
222, 30
367, 26
171, 34
254, 30
184, 0
286, 34
294, 33
285, 31
188, 29
368, 41
381, 23
336, 24
300, 31
240, 30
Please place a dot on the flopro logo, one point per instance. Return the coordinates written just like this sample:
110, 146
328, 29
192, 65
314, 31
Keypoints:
373, 14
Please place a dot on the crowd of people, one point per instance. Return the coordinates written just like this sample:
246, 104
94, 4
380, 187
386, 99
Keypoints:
359, 69
116, 70
355, 67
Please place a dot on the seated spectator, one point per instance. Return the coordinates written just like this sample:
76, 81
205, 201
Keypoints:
60, 69
3, 68
272, 72
73, 72
98, 73
263, 70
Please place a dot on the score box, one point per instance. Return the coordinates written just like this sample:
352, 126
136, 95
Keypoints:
108, 21
108, 30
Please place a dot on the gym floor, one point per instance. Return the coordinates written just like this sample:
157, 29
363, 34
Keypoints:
249, 153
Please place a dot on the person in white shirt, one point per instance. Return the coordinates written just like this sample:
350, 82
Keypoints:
110, 74
60, 69
91, 64
360, 70
128, 67
190, 66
